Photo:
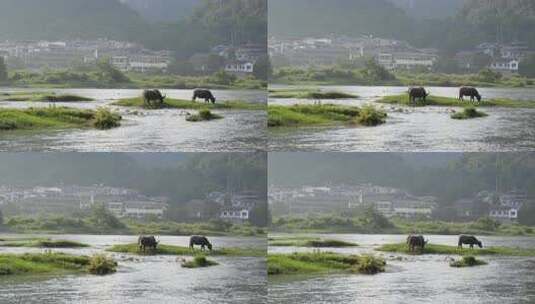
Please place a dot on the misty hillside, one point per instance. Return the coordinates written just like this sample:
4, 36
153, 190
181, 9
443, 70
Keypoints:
430, 9
61, 19
342, 17
163, 10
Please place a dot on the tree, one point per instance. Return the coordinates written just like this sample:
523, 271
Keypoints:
3, 70
104, 219
489, 75
109, 73
480, 61
262, 68
373, 71
527, 67
1, 218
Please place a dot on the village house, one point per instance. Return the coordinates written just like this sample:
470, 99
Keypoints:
239, 68
234, 214
407, 61
137, 209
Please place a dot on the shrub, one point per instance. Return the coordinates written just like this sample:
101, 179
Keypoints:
100, 264
198, 261
105, 119
370, 116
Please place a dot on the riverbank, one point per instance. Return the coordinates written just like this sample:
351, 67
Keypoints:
42, 97
41, 243
163, 249
339, 224
454, 250
304, 93
56, 118
323, 262
309, 115
138, 102
403, 99
303, 241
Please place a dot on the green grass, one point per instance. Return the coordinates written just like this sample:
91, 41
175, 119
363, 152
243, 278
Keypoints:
188, 104
467, 261
198, 261
468, 113
309, 242
307, 115
42, 263
42, 97
445, 249
323, 262
101, 264
403, 99
163, 249
53, 117
309, 94
42, 243
203, 115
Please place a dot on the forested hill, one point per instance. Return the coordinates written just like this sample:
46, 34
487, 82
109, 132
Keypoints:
63, 19
342, 17
163, 10
430, 9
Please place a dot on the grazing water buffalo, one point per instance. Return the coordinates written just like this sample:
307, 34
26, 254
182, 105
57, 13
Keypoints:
419, 93
199, 240
150, 95
203, 94
470, 240
416, 241
147, 241
469, 91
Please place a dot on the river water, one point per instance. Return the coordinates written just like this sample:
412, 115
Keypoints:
164, 130
412, 129
145, 279
414, 278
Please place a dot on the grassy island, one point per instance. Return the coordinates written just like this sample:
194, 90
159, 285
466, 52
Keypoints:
468, 113
307, 115
203, 115
42, 97
42, 243
56, 118
467, 261
323, 262
309, 94
445, 249
54, 263
403, 99
198, 261
309, 242
163, 249
171, 103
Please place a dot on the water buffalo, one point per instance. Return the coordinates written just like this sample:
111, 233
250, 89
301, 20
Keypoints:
470, 240
147, 241
419, 93
203, 94
469, 91
416, 241
199, 240
150, 95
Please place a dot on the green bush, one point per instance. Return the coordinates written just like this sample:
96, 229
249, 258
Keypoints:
100, 264
105, 119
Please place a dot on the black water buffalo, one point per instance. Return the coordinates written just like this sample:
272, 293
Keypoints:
470, 240
199, 240
419, 93
469, 91
150, 95
416, 241
147, 242
203, 94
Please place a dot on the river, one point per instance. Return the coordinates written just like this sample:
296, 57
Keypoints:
144, 279
414, 278
415, 128
164, 130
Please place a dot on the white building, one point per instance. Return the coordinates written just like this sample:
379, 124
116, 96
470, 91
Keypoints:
392, 61
239, 67
504, 213
234, 214
505, 65
137, 209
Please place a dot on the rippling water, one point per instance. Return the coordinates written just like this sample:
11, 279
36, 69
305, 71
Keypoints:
146, 279
416, 129
415, 279
163, 130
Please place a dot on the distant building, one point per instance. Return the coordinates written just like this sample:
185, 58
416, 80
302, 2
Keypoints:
239, 67
137, 209
405, 208
234, 214
393, 61
505, 65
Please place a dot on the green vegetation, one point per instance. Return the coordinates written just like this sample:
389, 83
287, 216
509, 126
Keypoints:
300, 241
101, 264
303, 115
370, 221
188, 104
42, 263
444, 249
204, 115
323, 262
403, 99
54, 118
41, 243
163, 249
199, 261
467, 261
309, 94
41, 96
104, 119
468, 113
